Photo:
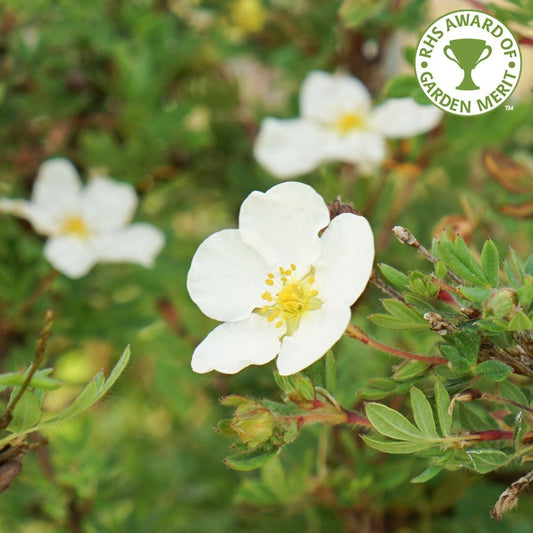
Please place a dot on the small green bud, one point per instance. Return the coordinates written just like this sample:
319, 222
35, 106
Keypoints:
253, 423
502, 302
422, 285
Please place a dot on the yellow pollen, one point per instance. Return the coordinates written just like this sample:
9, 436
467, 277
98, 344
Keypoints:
75, 225
294, 297
348, 122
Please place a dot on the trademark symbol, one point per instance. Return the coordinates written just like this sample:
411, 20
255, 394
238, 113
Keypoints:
509, 107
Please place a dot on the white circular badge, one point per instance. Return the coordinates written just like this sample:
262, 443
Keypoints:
468, 63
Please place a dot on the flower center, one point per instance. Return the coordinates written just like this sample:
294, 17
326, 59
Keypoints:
349, 121
289, 298
75, 225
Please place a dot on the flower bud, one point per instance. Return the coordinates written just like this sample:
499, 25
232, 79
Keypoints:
253, 423
502, 302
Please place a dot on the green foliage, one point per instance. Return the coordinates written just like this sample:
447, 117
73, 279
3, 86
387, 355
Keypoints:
168, 96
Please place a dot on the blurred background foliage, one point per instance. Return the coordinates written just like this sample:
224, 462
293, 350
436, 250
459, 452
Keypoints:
168, 95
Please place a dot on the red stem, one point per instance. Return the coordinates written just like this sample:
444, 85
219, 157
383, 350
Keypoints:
355, 333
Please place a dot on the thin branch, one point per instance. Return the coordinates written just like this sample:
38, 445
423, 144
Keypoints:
385, 288
406, 237
500, 399
355, 333
40, 349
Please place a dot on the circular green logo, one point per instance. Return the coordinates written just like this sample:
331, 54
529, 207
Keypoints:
468, 63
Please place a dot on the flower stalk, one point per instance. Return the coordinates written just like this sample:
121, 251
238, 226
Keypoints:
354, 332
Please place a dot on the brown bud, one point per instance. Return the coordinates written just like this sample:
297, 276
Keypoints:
337, 208
404, 236
439, 324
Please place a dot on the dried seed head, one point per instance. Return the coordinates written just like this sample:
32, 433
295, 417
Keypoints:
337, 208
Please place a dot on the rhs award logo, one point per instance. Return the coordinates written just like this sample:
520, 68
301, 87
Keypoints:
468, 63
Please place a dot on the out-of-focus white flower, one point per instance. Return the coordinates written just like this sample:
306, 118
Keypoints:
279, 287
258, 84
338, 123
87, 224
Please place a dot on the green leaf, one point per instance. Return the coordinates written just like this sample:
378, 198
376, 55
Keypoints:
476, 294
484, 461
519, 322
396, 447
92, 392
490, 263
467, 343
494, 370
525, 293
40, 380
26, 414
250, 461
403, 317
410, 370
395, 277
442, 400
514, 271
429, 473
510, 391
440, 270
296, 383
423, 414
391, 423
458, 362
458, 258
400, 310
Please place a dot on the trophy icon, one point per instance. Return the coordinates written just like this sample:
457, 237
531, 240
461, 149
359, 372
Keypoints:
467, 53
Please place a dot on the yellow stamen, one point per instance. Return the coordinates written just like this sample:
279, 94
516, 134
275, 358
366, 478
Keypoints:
349, 121
75, 225
294, 298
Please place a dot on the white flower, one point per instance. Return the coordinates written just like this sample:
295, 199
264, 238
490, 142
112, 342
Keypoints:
338, 124
85, 224
279, 287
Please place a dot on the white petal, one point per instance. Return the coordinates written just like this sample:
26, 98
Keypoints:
325, 97
57, 186
282, 224
361, 147
343, 269
108, 204
403, 117
233, 346
69, 255
227, 277
288, 148
137, 243
318, 331
41, 219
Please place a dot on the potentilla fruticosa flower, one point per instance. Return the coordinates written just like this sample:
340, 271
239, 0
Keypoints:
282, 283
338, 123
85, 224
